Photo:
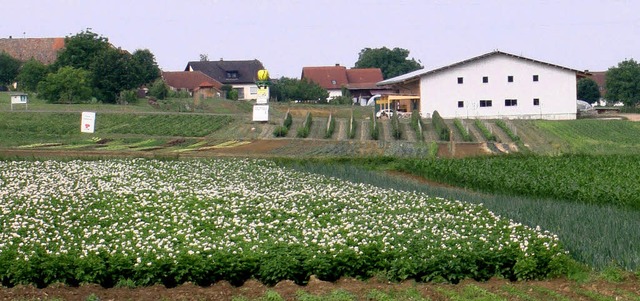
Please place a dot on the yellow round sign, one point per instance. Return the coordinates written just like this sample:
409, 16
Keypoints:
263, 75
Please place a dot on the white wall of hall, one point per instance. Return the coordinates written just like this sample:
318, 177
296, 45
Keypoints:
555, 90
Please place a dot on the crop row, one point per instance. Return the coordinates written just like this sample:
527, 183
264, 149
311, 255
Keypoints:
152, 221
611, 180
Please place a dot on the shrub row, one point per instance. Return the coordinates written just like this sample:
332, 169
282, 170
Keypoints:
416, 124
283, 130
462, 130
396, 130
331, 126
374, 129
485, 131
352, 127
441, 128
303, 132
503, 125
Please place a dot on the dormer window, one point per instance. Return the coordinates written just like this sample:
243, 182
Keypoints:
232, 74
333, 82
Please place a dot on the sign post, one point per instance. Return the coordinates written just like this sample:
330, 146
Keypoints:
88, 122
261, 108
19, 98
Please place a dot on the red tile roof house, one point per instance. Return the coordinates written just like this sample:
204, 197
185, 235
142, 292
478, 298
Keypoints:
361, 82
241, 75
600, 77
44, 50
198, 84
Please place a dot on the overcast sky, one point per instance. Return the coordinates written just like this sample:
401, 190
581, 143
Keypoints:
286, 35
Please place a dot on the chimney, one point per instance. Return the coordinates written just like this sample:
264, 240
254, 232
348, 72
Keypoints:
221, 59
337, 65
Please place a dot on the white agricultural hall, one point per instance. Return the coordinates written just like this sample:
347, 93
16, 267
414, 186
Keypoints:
494, 85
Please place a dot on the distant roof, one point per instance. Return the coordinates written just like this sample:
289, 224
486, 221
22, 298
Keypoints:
418, 73
334, 77
246, 71
189, 80
44, 50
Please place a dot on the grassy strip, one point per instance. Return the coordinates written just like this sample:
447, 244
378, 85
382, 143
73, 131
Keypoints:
283, 130
594, 136
462, 130
503, 125
374, 128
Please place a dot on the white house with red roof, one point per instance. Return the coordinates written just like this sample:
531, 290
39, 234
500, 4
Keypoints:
495, 85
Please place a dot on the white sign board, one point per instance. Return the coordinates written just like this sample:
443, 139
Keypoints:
88, 122
18, 99
263, 95
260, 112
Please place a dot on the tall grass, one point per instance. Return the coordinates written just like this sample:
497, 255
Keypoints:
441, 128
352, 127
464, 132
596, 235
305, 129
484, 130
591, 136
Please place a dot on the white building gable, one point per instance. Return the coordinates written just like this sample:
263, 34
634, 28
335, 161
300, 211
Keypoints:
498, 85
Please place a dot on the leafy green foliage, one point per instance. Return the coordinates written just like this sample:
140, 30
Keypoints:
305, 129
111, 70
485, 131
280, 131
577, 178
392, 62
462, 130
159, 89
31, 73
288, 120
9, 68
588, 136
441, 128
331, 127
232, 94
68, 85
623, 83
588, 90
288, 89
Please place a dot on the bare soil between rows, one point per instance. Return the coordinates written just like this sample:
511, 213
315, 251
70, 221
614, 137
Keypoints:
253, 290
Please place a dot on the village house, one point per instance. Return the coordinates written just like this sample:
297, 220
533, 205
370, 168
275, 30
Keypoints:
196, 83
360, 82
241, 75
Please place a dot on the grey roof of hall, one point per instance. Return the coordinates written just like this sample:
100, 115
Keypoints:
418, 73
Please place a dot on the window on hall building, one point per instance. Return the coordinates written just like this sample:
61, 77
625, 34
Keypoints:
510, 78
536, 101
460, 104
535, 78
485, 103
460, 80
510, 102
485, 79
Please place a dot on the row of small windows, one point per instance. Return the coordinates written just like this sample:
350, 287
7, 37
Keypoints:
507, 103
485, 79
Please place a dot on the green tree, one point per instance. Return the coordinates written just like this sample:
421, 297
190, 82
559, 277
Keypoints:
112, 71
9, 68
81, 50
145, 67
287, 89
31, 73
67, 85
159, 89
392, 62
588, 90
623, 83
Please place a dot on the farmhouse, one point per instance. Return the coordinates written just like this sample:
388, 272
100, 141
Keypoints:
241, 75
196, 83
44, 50
360, 82
493, 85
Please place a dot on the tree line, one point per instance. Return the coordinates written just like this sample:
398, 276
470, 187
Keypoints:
87, 68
